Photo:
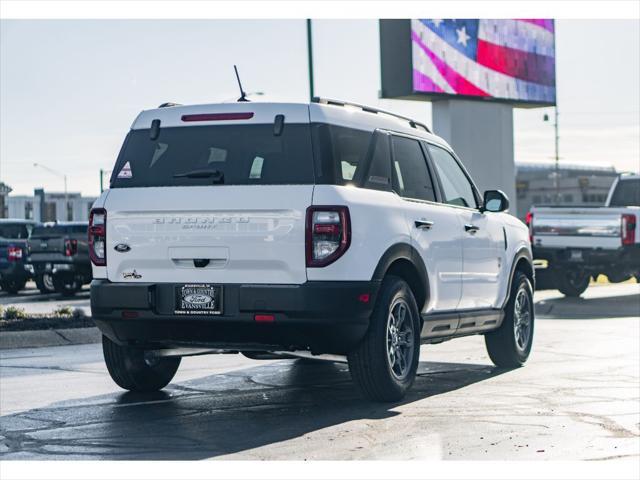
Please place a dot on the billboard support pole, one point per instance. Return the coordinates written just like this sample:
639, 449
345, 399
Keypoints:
310, 59
557, 163
481, 133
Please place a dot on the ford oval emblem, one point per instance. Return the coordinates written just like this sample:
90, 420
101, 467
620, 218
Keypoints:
198, 299
122, 248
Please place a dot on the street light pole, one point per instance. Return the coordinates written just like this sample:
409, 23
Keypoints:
66, 193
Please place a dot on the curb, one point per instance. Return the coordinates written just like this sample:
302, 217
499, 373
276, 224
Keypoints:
49, 338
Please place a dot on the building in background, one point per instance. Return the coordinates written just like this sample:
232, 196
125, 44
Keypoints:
577, 185
49, 206
5, 190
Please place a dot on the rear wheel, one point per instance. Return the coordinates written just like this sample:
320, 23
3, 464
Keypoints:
385, 363
573, 283
510, 345
44, 283
132, 370
67, 285
13, 286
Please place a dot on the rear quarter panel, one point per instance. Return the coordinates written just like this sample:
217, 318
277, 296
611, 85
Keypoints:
377, 223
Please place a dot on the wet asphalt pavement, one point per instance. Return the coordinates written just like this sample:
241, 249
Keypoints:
577, 398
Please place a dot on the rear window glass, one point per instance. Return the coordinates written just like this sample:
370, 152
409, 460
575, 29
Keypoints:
626, 194
219, 154
15, 231
54, 230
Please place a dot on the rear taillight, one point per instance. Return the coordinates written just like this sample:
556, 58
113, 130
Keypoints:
628, 229
529, 221
70, 247
98, 236
328, 234
14, 253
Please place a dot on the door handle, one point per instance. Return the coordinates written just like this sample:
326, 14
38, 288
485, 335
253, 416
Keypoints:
471, 228
424, 224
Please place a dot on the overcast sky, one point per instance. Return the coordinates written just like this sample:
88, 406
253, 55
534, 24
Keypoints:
69, 90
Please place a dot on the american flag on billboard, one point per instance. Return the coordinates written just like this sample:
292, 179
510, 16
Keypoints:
503, 59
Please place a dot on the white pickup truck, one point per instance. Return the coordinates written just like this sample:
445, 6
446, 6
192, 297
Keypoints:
582, 242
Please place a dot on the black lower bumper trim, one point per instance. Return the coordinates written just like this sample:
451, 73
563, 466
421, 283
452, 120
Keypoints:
324, 317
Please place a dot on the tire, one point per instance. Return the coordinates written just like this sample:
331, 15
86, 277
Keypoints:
384, 365
66, 285
505, 348
44, 283
13, 286
131, 371
573, 283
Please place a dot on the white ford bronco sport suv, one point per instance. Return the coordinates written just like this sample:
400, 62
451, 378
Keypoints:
306, 229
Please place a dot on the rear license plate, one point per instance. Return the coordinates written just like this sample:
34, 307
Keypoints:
198, 299
576, 255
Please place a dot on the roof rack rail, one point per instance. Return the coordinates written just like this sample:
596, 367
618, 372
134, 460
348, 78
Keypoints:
365, 108
169, 104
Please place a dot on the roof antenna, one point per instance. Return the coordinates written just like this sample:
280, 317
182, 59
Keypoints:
243, 96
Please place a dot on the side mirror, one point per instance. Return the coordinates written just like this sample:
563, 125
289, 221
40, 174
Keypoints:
495, 201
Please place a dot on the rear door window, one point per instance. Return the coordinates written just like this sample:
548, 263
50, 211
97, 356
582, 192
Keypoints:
15, 231
411, 175
220, 154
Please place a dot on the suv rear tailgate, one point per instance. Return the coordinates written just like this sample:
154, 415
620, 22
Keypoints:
214, 234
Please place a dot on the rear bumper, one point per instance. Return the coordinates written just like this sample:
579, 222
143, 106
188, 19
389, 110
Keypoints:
14, 271
324, 317
596, 260
62, 266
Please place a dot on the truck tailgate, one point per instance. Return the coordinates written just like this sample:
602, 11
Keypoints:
576, 228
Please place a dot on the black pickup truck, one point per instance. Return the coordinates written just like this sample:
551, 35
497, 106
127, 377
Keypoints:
13, 242
59, 255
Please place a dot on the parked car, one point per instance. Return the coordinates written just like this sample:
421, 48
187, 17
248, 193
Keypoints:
580, 243
321, 228
13, 241
59, 256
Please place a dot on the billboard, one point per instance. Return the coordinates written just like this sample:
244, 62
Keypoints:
503, 60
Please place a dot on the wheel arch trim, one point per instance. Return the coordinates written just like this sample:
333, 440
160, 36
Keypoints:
521, 253
406, 252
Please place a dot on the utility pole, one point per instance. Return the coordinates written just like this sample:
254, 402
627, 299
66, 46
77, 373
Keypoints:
310, 58
101, 184
556, 170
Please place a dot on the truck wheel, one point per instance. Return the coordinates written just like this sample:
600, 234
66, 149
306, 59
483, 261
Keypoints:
44, 283
573, 283
13, 286
66, 285
509, 346
130, 369
384, 365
